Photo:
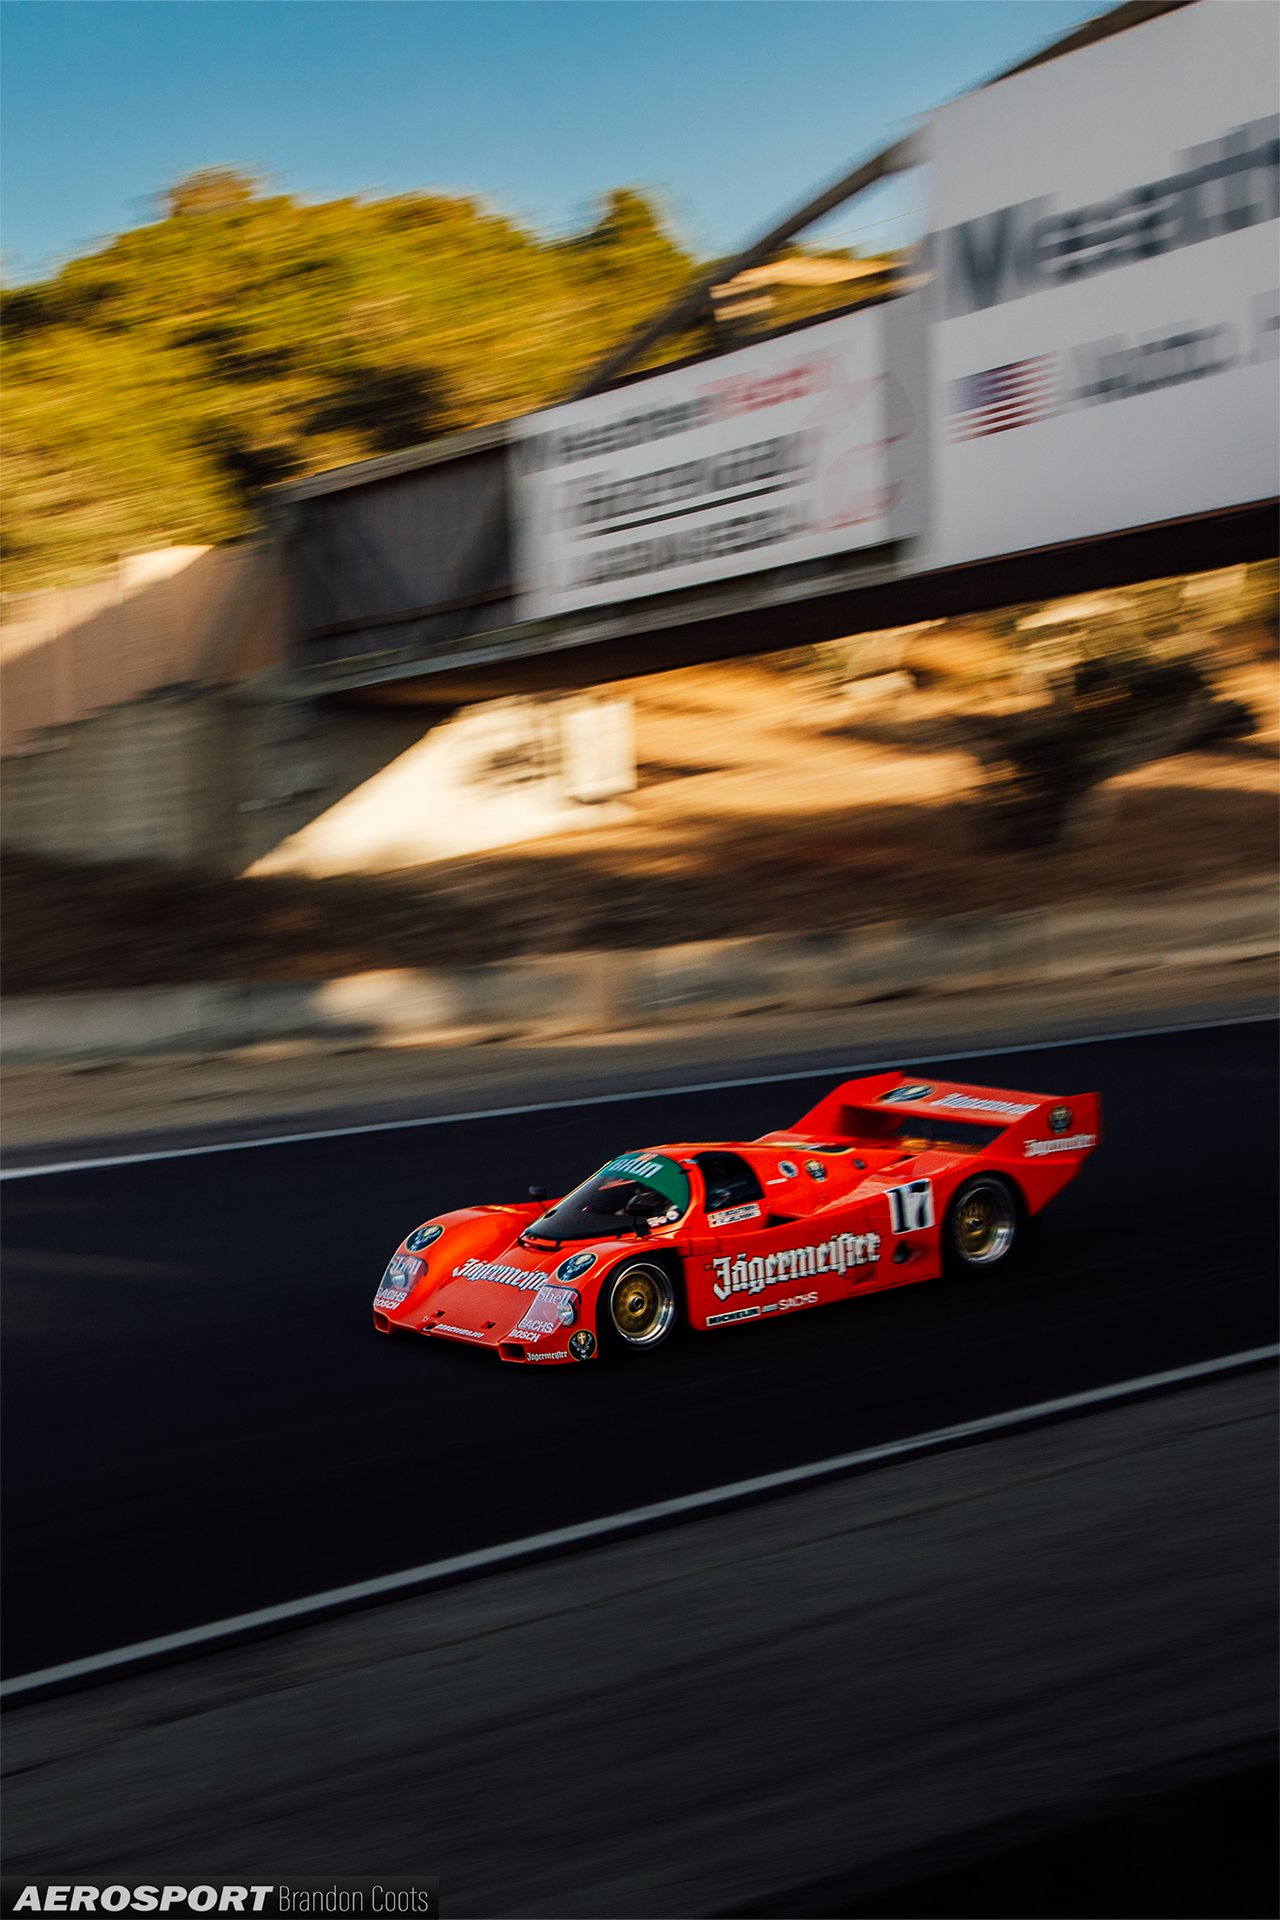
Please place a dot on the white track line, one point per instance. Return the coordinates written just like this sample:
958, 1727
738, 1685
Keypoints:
49, 1167
493, 1559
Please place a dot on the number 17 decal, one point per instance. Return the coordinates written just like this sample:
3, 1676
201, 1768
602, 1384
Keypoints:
911, 1207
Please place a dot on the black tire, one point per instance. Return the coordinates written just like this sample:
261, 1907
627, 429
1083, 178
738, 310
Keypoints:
639, 1307
983, 1227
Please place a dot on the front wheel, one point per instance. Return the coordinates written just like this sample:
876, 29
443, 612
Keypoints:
639, 1308
983, 1223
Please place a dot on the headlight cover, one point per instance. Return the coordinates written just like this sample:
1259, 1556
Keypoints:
402, 1275
549, 1308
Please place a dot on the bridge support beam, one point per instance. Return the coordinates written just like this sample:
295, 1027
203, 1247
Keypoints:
242, 780
490, 775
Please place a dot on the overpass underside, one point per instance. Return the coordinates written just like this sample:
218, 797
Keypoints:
792, 607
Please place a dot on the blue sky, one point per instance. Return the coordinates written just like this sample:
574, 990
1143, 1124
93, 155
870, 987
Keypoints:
728, 111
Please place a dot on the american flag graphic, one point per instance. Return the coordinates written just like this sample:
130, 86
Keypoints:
1004, 397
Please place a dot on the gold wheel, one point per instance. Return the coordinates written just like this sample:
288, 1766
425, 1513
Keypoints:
984, 1222
642, 1305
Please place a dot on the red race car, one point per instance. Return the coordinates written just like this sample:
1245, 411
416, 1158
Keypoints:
887, 1181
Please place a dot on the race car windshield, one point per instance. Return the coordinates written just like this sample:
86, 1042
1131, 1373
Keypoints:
636, 1186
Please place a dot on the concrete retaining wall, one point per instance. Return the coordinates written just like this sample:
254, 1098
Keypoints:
493, 775
175, 616
242, 780
146, 781
603, 992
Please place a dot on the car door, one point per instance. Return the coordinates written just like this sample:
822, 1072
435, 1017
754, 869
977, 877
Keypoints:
764, 1258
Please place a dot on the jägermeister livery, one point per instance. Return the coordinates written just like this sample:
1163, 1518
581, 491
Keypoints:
888, 1180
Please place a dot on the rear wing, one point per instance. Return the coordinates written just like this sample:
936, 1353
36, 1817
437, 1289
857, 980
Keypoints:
1019, 1126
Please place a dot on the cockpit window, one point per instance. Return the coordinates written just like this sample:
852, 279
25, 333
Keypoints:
729, 1178
645, 1186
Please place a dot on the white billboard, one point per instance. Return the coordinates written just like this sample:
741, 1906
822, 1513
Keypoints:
788, 450
1103, 294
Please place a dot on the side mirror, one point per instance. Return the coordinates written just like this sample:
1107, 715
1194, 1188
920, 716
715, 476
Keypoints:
537, 1193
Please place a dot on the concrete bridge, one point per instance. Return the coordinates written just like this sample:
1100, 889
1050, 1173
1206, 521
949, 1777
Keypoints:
380, 614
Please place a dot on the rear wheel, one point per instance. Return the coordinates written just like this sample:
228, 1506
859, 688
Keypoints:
983, 1224
639, 1308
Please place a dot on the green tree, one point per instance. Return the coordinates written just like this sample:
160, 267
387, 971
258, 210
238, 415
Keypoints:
154, 387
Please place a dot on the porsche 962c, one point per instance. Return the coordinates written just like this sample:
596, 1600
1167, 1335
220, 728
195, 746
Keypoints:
887, 1181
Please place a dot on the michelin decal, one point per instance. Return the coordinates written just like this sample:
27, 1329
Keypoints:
729, 1216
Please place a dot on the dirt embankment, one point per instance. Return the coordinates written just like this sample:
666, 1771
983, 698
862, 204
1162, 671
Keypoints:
768, 800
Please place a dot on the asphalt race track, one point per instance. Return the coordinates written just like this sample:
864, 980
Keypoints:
198, 1418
